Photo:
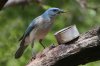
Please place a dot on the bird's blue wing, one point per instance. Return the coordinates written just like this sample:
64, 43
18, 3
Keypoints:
28, 30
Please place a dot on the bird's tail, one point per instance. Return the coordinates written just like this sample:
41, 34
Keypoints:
20, 50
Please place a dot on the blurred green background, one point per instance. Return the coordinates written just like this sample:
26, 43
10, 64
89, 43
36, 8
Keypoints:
14, 21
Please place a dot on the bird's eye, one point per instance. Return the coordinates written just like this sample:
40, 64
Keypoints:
55, 10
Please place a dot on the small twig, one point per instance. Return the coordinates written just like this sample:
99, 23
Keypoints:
2, 3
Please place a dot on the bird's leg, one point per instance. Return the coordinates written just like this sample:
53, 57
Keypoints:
32, 44
33, 54
40, 41
33, 51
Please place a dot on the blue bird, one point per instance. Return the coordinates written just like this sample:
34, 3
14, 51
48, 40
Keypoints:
38, 29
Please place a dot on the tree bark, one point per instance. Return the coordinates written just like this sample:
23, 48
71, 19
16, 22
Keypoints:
82, 50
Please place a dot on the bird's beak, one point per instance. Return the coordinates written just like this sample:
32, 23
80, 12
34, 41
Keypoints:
62, 11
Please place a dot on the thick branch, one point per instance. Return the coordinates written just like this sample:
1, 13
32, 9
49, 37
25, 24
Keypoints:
79, 51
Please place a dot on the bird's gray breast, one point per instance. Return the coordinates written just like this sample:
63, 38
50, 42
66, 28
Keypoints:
43, 29
47, 24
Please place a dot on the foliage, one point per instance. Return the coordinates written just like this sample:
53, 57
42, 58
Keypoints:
14, 21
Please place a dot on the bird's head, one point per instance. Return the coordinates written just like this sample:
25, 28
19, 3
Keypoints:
52, 12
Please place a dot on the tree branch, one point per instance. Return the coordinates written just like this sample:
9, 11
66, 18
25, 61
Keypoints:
16, 2
11, 3
82, 50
